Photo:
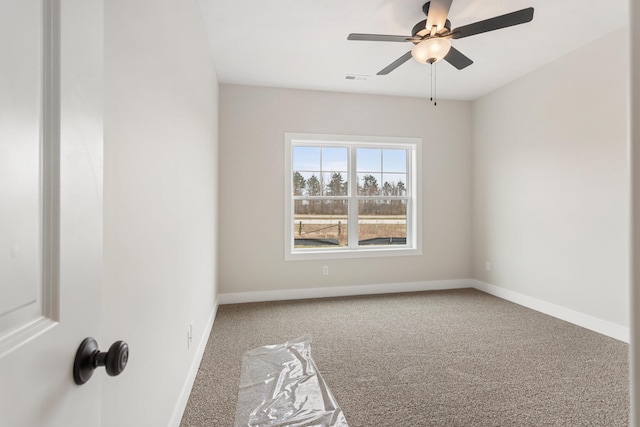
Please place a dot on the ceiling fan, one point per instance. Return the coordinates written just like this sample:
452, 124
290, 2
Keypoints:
431, 36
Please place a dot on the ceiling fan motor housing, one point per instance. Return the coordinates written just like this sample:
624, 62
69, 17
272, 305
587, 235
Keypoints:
425, 8
420, 29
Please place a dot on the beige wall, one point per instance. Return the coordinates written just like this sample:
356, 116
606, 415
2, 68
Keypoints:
253, 121
550, 182
160, 173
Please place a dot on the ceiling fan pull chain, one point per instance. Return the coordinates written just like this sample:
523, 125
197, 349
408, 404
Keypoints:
435, 85
431, 81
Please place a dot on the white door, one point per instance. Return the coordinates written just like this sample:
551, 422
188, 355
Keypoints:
50, 208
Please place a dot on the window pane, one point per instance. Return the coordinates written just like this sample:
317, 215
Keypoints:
382, 222
320, 223
394, 184
394, 161
314, 185
306, 158
369, 160
369, 184
334, 159
299, 184
336, 184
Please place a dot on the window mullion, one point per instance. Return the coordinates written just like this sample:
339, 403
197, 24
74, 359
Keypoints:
353, 202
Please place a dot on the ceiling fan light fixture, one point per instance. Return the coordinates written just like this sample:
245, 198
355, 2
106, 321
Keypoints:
431, 50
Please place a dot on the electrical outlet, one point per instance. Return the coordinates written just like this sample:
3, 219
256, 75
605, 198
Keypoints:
487, 266
189, 335
325, 269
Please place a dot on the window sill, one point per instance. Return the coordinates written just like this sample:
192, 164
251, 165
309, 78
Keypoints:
343, 253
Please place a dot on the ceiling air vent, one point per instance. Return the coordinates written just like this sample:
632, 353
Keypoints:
355, 77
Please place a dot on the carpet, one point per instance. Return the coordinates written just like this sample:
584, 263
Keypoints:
438, 358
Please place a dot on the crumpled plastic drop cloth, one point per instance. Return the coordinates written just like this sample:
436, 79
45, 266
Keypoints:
280, 386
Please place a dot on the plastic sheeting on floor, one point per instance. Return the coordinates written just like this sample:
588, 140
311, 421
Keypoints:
280, 386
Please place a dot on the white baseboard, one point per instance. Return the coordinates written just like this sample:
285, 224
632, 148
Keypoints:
342, 291
603, 327
181, 404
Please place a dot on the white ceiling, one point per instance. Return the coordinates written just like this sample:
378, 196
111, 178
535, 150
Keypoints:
303, 44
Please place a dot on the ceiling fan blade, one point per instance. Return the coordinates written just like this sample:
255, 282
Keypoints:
502, 21
457, 59
379, 37
395, 64
438, 12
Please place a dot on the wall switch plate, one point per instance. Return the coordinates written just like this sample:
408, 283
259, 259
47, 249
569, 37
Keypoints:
487, 266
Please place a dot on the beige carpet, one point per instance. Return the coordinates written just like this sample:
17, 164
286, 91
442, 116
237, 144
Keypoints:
442, 358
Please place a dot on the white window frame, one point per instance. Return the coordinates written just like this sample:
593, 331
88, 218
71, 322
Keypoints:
414, 194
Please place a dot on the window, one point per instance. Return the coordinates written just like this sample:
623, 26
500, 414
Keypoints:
348, 196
